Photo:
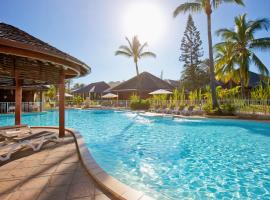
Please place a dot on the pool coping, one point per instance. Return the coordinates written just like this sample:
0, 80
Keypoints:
109, 185
233, 117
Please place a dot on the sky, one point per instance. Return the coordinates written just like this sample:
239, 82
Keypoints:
92, 30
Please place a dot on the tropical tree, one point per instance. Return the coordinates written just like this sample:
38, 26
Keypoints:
68, 83
244, 44
78, 86
207, 6
191, 51
51, 95
134, 50
226, 67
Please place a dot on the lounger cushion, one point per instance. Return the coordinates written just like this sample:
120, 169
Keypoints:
13, 132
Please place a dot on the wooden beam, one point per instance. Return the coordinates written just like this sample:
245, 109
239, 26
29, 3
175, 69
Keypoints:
19, 49
18, 99
62, 104
40, 101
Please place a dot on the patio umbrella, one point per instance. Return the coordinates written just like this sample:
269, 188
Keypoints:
160, 91
67, 95
109, 96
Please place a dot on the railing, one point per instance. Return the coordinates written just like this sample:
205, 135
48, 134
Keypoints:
240, 105
9, 107
249, 106
103, 103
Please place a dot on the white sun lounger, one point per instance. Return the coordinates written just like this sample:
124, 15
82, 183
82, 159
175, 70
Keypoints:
6, 149
14, 140
36, 140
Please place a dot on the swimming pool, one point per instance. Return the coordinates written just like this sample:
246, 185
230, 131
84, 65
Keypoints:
174, 158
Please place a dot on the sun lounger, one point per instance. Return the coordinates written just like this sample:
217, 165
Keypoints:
36, 140
6, 149
158, 110
152, 109
15, 139
175, 111
185, 112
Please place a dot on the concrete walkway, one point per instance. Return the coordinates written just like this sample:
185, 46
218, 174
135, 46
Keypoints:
53, 173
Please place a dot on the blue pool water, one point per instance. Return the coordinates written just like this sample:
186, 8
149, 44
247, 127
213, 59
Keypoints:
174, 158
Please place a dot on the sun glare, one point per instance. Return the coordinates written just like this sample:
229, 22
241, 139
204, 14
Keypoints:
145, 20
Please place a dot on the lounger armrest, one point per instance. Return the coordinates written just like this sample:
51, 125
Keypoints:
33, 136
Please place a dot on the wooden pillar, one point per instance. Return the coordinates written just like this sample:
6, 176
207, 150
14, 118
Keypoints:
18, 99
40, 101
62, 104
117, 99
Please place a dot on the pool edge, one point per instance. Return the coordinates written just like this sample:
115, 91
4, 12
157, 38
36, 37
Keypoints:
109, 185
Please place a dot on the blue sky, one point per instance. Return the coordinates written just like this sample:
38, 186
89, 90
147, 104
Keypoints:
92, 30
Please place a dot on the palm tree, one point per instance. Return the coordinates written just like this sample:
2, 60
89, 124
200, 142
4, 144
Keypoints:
68, 83
51, 94
226, 67
244, 44
134, 50
207, 6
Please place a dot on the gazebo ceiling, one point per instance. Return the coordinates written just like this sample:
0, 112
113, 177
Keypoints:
34, 61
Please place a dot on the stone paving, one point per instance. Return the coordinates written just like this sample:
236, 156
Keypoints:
53, 173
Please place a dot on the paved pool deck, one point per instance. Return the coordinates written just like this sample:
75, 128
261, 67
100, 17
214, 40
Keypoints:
53, 173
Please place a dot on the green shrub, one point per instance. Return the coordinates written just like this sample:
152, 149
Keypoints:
139, 104
228, 109
208, 109
190, 108
171, 106
182, 107
134, 97
77, 100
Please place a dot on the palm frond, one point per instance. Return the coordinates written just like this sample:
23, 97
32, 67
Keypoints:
130, 45
259, 24
239, 2
216, 3
262, 44
148, 54
123, 53
142, 47
227, 34
220, 44
259, 64
125, 48
188, 7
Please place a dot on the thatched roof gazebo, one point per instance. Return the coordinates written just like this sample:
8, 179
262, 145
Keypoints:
27, 61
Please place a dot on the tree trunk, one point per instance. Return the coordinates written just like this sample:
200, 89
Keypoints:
211, 64
230, 83
137, 69
138, 79
242, 84
243, 89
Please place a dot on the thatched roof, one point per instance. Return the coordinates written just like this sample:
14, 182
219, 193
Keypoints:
97, 87
33, 59
254, 80
148, 83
